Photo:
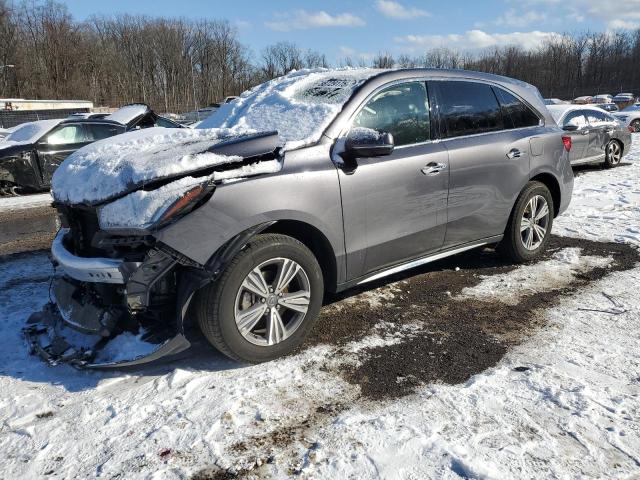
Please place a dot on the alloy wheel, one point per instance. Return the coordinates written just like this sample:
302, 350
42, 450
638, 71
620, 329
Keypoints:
534, 222
614, 153
272, 301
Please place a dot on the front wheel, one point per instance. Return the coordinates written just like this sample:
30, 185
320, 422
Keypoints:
265, 302
529, 227
613, 152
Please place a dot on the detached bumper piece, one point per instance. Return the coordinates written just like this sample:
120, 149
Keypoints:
49, 337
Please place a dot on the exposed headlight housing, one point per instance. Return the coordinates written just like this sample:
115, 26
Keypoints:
144, 210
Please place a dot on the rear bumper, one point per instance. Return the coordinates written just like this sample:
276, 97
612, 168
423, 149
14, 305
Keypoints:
95, 269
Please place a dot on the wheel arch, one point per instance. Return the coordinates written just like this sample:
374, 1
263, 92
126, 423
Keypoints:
551, 182
315, 241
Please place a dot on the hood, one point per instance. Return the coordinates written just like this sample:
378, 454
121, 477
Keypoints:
10, 149
111, 168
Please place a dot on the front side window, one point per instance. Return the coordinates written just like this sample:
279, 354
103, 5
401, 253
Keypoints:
576, 119
401, 110
69, 134
468, 108
514, 112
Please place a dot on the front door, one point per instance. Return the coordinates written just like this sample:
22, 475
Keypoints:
394, 207
58, 145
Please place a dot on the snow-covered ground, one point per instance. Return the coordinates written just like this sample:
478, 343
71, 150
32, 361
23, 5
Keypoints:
564, 402
25, 201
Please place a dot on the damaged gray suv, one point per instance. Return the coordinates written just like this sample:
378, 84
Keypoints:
317, 181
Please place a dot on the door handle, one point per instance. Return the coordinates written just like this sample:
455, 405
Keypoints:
585, 132
433, 168
515, 153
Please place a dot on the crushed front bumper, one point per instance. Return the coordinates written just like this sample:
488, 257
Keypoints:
98, 302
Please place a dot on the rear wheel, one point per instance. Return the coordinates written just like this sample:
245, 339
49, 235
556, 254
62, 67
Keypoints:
613, 152
636, 125
265, 302
529, 228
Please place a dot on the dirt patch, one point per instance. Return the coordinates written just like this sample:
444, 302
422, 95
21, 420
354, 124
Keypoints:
451, 339
27, 229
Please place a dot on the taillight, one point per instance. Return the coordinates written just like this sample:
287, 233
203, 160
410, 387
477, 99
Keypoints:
566, 140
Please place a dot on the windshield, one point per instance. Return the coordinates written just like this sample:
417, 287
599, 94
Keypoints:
299, 106
31, 132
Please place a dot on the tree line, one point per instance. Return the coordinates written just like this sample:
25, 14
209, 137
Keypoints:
176, 65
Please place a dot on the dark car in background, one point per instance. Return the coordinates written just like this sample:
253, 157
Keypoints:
33, 151
596, 136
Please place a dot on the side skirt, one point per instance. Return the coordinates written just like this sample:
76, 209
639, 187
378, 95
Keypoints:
418, 262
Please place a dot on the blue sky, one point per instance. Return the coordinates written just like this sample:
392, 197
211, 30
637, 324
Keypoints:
362, 28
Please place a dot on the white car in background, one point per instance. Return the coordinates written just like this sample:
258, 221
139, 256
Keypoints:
630, 116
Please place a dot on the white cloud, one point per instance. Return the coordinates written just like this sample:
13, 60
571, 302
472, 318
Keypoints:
396, 10
618, 24
513, 18
302, 20
477, 39
614, 14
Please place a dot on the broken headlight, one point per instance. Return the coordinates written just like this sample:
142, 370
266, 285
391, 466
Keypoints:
142, 210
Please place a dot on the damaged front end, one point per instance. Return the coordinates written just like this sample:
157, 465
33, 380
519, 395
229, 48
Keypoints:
119, 297
114, 311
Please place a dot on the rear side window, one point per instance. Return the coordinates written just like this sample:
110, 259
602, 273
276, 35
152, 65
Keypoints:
596, 118
401, 110
515, 113
98, 132
468, 108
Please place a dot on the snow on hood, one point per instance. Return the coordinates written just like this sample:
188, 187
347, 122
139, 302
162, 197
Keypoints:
299, 105
128, 113
117, 165
28, 133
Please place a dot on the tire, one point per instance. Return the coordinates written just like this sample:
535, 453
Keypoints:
636, 125
235, 295
513, 245
613, 152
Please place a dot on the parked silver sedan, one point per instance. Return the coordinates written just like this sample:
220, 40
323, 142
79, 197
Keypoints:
596, 136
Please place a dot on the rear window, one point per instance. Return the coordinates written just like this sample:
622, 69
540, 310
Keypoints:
99, 132
468, 108
515, 113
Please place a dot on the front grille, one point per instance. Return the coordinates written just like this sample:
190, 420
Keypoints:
83, 223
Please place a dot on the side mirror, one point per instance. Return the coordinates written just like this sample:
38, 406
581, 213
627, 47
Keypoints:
366, 142
570, 128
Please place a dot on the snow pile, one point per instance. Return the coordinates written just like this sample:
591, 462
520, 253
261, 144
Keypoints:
28, 133
552, 274
113, 166
299, 105
128, 113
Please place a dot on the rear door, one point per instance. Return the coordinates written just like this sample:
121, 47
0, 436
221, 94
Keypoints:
394, 206
488, 156
58, 145
579, 138
600, 130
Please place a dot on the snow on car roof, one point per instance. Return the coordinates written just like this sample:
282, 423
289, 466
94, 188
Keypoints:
30, 132
128, 113
299, 105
